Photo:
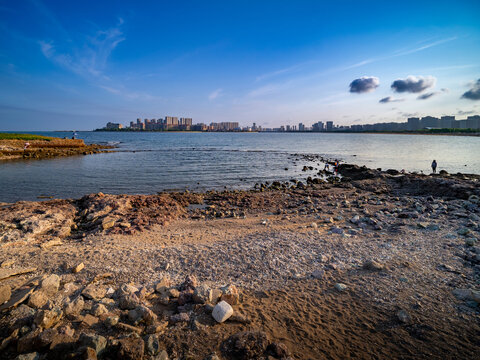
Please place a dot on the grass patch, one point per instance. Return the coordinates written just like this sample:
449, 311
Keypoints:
10, 136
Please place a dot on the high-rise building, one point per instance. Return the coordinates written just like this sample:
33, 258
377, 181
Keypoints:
473, 122
430, 122
301, 127
446, 122
413, 123
329, 125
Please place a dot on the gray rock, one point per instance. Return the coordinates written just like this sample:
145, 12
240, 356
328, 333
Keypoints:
340, 287
202, 294
50, 285
373, 265
152, 345
5, 293
99, 309
404, 317
128, 302
94, 292
74, 307
96, 342
29, 356
182, 317
48, 318
38, 299
162, 356
111, 321
222, 311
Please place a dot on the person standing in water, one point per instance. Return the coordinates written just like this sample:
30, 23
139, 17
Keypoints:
434, 166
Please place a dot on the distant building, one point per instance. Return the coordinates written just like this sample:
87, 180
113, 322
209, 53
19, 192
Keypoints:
329, 125
113, 126
473, 122
413, 123
430, 122
301, 127
446, 122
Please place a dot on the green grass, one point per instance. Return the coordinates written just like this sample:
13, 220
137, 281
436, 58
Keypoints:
10, 136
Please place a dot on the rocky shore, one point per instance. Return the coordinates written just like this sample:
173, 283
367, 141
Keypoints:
11, 149
371, 264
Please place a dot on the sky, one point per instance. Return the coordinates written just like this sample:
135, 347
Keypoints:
79, 64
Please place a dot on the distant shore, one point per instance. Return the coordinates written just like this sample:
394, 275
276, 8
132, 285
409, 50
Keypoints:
26, 146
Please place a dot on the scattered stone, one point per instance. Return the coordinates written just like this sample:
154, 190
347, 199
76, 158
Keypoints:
94, 292
29, 356
202, 294
181, 317
246, 345
129, 328
50, 284
6, 273
89, 320
162, 356
78, 268
404, 317
51, 243
111, 321
17, 298
37, 299
74, 307
373, 265
230, 294
48, 318
340, 287
96, 342
99, 309
130, 349
5, 293
152, 345
318, 274
222, 311
128, 302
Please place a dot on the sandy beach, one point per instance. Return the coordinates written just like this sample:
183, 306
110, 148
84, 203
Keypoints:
373, 265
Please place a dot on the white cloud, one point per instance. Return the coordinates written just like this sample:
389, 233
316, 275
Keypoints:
215, 94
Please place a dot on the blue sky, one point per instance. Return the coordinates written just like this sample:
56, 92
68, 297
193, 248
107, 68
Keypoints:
77, 65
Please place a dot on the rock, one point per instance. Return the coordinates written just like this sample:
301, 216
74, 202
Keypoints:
239, 318
181, 317
152, 345
128, 302
314, 225
142, 314
129, 328
89, 320
66, 330
50, 285
51, 243
463, 231
78, 268
163, 283
230, 294
130, 349
96, 342
74, 307
48, 318
28, 342
467, 295
17, 298
111, 321
87, 353
94, 292
126, 289
246, 345
278, 350
373, 265
189, 283
336, 230
6, 273
99, 309
222, 311
470, 241
355, 220
318, 274
37, 299
403, 317
46, 337
108, 223
202, 294
340, 287
29, 356
162, 356
5, 293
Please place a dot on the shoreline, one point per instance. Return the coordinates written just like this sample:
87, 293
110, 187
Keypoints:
14, 149
373, 263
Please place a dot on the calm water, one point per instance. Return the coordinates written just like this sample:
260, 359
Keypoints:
151, 162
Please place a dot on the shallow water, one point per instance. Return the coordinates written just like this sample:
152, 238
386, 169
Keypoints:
150, 162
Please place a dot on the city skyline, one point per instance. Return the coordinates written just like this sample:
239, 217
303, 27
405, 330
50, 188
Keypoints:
65, 65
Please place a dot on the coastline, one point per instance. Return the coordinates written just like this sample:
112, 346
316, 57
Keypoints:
373, 257
14, 149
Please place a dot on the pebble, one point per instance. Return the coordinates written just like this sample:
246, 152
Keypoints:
222, 311
340, 287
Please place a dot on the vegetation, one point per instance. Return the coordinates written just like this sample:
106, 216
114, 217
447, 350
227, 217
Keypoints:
10, 136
